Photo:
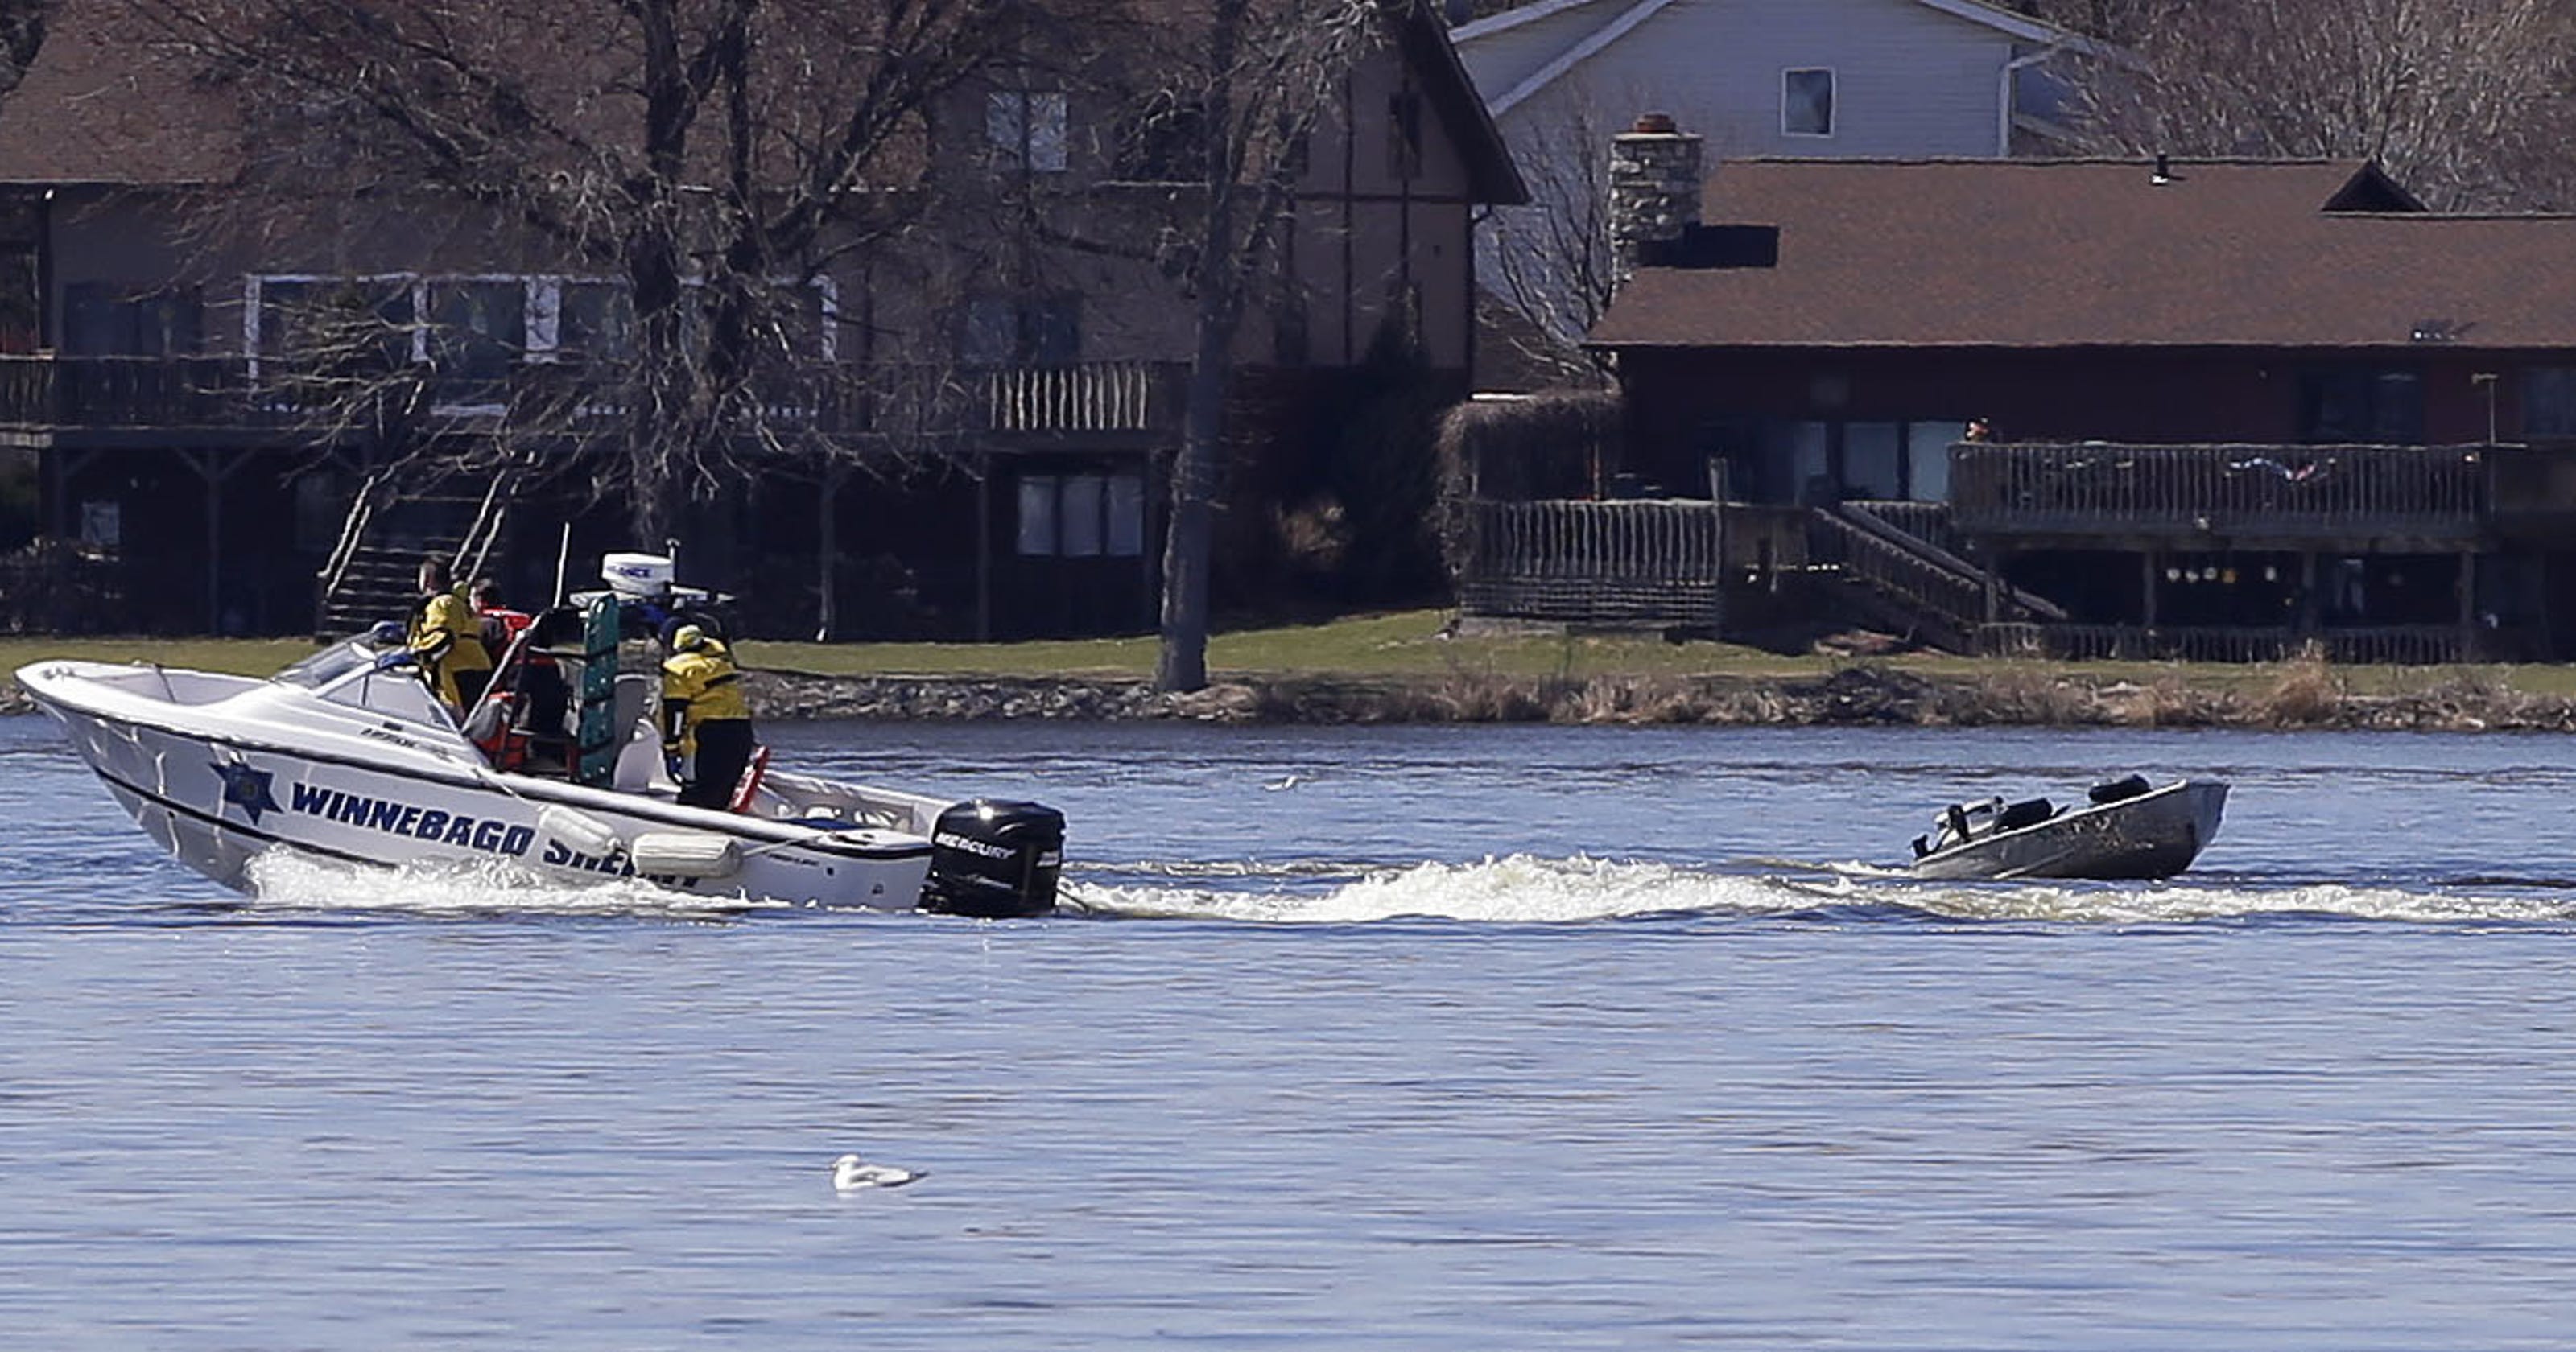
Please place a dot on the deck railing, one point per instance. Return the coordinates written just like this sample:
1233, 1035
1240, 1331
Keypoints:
55, 392
2396, 645
2083, 488
1643, 563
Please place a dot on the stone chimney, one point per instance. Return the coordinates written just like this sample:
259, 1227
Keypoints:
1654, 189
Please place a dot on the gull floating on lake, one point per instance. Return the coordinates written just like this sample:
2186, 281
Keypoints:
850, 1173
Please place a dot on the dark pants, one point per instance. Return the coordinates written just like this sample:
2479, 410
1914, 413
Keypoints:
724, 748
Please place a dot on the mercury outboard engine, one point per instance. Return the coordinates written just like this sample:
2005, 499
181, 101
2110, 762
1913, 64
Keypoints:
994, 860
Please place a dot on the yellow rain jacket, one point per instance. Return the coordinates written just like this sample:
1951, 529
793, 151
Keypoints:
448, 639
699, 686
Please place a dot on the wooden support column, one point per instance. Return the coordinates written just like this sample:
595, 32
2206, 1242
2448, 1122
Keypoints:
2147, 570
211, 467
2311, 605
1149, 566
57, 480
827, 551
2468, 589
983, 547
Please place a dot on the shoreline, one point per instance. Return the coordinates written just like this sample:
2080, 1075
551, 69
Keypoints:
2297, 697
2307, 697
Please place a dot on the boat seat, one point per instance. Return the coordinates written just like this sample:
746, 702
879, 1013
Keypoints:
2119, 790
639, 767
2028, 812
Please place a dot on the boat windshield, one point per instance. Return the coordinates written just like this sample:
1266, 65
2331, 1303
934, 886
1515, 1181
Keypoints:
328, 665
346, 673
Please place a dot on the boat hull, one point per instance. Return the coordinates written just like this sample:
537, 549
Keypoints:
2155, 835
216, 798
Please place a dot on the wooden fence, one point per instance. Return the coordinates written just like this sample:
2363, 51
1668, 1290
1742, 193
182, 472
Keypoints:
1651, 564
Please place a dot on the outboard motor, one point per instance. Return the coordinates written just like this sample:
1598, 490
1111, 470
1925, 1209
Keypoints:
994, 860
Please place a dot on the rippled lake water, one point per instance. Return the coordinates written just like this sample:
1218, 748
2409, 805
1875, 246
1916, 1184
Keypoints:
1404, 1038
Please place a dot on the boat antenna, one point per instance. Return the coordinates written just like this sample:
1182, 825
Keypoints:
563, 562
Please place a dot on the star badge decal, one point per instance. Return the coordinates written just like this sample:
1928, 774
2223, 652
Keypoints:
247, 789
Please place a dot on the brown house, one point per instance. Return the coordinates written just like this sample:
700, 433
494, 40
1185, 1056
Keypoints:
2226, 405
134, 347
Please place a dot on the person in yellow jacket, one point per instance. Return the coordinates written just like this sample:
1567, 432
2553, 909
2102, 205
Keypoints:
704, 717
447, 639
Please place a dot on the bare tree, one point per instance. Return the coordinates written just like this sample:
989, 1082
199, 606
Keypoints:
1256, 78
1548, 263
2466, 102
711, 160
22, 34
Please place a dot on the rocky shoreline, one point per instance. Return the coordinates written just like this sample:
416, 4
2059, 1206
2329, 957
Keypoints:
2307, 696
2299, 696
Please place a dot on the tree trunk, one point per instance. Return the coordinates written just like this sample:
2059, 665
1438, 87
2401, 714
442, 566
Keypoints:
1181, 663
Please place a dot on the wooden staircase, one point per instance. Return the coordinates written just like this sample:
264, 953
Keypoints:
1896, 579
373, 571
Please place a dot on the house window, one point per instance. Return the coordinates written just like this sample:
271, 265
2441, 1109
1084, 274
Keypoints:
1081, 516
1404, 133
333, 321
1165, 141
2361, 406
102, 523
1026, 129
1811, 462
1022, 331
112, 319
21, 298
481, 327
1927, 459
1885, 461
1873, 460
2549, 402
1807, 102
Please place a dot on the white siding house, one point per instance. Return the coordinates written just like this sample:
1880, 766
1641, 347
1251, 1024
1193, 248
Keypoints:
1829, 78
1808, 79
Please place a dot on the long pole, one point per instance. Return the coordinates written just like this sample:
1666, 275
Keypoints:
563, 562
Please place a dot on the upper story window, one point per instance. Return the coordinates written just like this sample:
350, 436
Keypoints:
1404, 133
334, 321
593, 319
2358, 405
2549, 402
478, 327
1807, 102
1022, 331
112, 319
1164, 141
1027, 129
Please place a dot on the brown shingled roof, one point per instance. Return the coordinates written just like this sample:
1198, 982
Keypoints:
100, 104
2085, 253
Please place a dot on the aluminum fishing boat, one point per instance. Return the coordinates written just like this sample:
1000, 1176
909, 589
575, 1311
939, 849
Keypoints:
346, 755
2126, 829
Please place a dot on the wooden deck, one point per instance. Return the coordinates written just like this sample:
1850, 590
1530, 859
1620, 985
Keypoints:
1643, 564
2110, 494
102, 400
2397, 645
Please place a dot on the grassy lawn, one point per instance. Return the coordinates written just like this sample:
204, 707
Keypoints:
1365, 647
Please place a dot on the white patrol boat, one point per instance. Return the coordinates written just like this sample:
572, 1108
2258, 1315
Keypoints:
347, 755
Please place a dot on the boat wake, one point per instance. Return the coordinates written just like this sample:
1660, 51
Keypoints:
1511, 890
286, 881
1521, 889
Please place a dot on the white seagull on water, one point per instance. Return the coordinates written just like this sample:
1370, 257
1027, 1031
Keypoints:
850, 1173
